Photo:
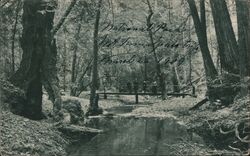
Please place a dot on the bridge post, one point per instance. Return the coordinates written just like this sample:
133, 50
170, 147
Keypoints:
136, 98
105, 95
193, 90
136, 92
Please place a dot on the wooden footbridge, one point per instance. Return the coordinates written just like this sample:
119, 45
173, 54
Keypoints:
136, 94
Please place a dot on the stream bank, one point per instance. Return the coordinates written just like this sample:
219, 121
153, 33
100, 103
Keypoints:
225, 130
179, 130
23, 137
130, 135
127, 125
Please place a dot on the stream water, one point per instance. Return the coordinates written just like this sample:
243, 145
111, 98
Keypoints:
131, 136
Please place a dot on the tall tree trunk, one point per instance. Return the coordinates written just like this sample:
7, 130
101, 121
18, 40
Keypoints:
145, 68
93, 108
228, 51
189, 55
200, 28
243, 41
157, 62
38, 64
73, 69
227, 44
64, 63
74, 59
248, 45
5, 47
14, 35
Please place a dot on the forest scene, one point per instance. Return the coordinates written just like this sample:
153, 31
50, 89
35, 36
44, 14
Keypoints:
124, 77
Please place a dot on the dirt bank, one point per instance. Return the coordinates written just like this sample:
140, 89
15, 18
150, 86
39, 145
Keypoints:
23, 137
222, 128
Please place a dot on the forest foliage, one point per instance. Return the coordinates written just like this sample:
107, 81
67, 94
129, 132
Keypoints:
104, 45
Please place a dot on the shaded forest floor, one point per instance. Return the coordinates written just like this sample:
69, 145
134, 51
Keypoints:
21, 136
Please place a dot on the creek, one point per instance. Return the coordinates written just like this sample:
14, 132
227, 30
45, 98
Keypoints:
129, 135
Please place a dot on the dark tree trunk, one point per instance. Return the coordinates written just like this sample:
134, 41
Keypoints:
64, 63
145, 68
49, 74
38, 64
13, 36
73, 68
200, 28
228, 50
93, 107
248, 36
5, 47
243, 41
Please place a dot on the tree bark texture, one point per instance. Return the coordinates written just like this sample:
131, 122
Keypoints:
243, 19
94, 86
227, 44
64, 63
229, 53
38, 64
200, 28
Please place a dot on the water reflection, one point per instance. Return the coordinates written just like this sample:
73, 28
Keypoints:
131, 136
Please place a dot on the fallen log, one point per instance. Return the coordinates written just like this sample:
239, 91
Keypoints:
78, 132
199, 104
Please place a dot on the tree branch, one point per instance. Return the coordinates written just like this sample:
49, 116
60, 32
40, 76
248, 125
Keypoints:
237, 134
4, 3
62, 20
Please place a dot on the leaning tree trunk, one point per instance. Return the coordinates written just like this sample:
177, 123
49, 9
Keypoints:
38, 64
80, 80
200, 28
227, 44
